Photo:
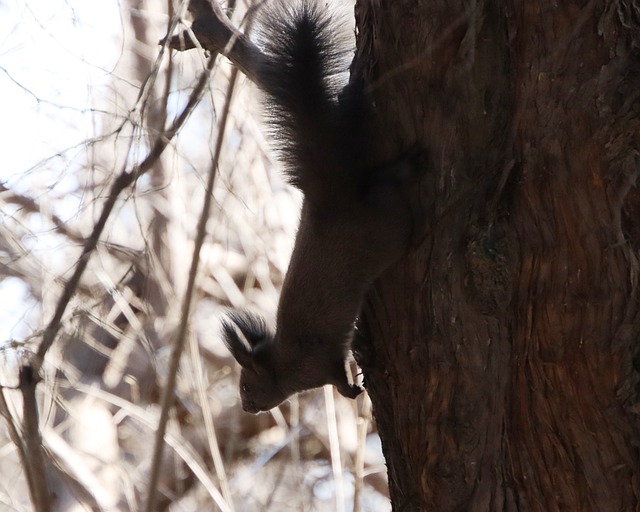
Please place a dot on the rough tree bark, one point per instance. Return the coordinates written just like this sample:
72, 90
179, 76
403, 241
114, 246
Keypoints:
503, 349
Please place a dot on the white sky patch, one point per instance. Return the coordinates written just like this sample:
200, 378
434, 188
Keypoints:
15, 313
52, 55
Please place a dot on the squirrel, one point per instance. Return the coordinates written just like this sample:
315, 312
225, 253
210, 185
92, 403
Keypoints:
355, 219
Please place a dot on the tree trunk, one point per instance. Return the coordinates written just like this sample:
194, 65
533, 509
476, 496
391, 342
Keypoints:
502, 348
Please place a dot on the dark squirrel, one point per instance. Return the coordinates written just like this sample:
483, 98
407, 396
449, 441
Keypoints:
355, 219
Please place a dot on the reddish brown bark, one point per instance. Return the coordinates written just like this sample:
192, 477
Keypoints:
502, 348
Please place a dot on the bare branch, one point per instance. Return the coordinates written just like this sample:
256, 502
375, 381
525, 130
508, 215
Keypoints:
14, 434
178, 343
36, 475
214, 32
31, 206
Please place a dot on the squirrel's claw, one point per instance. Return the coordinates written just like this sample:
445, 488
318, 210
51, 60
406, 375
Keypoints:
349, 390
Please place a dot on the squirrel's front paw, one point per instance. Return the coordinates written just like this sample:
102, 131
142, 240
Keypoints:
350, 390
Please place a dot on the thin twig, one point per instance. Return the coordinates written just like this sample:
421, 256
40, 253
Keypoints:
210, 429
362, 425
38, 484
334, 445
214, 32
14, 434
31, 206
178, 344
182, 447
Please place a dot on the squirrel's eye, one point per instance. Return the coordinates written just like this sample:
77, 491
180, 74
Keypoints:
245, 388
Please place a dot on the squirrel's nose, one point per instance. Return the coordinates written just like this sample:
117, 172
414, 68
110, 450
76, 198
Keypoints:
250, 407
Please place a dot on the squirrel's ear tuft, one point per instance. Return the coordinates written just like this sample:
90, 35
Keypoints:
239, 349
253, 328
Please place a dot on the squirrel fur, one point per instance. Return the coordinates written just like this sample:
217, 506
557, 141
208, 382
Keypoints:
355, 220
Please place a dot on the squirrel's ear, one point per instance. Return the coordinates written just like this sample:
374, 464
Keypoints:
239, 350
252, 327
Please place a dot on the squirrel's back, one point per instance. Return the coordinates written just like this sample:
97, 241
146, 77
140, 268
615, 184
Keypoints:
308, 51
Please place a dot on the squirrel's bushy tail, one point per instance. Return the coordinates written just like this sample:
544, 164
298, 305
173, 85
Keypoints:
307, 52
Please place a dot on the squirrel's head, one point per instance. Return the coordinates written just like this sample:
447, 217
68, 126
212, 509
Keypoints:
259, 389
